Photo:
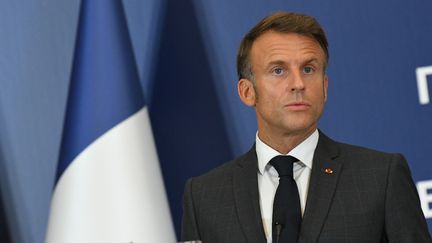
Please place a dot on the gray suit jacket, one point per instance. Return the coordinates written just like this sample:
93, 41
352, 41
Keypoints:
369, 197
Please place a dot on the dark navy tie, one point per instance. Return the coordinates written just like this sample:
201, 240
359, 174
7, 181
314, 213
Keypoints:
286, 206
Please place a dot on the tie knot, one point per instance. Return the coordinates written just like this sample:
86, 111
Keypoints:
283, 164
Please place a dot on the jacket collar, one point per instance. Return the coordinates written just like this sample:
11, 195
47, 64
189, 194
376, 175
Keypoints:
325, 174
246, 196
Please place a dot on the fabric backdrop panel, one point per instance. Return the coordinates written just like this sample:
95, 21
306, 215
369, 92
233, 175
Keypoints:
185, 112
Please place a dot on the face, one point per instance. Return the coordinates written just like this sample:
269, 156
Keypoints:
290, 84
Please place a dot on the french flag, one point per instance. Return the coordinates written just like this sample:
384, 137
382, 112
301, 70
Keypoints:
109, 186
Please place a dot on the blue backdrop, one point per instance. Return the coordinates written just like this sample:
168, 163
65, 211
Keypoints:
186, 55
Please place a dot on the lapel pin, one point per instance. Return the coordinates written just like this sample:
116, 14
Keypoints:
328, 171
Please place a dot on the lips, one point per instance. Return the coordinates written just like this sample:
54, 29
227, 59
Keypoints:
297, 106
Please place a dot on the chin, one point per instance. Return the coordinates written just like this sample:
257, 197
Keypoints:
300, 128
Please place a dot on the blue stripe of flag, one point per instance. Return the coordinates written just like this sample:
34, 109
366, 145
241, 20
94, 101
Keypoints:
104, 88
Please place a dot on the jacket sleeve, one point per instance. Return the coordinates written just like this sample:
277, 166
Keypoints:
189, 228
404, 219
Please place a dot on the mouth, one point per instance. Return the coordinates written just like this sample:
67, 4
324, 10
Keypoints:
297, 106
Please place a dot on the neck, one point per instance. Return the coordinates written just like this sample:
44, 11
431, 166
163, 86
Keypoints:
284, 142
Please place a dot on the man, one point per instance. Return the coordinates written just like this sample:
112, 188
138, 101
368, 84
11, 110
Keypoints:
341, 193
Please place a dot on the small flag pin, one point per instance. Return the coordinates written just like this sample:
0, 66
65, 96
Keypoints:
328, 170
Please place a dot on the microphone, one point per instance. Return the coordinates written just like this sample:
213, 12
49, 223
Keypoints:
278, 227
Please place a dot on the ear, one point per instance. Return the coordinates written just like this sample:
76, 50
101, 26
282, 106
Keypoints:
325, 87
246, 92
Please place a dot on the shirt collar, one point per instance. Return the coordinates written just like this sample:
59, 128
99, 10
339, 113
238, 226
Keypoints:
303, 152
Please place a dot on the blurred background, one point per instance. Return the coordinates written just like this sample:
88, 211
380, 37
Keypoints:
185, 52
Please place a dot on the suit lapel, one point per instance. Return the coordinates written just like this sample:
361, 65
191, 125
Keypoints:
246, 196
322, 186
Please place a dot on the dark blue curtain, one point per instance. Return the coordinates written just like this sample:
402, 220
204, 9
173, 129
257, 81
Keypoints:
4, 228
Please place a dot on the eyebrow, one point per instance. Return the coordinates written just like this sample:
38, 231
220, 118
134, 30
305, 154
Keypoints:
311, 60
276, 62
281, 62
269, 66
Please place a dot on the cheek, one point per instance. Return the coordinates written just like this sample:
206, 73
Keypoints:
320, 98
272, 88
266, 101
269, 99
319, 88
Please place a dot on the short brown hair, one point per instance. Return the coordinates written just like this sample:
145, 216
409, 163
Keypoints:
282, 22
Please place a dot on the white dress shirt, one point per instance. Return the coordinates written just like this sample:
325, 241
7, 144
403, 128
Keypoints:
268, 178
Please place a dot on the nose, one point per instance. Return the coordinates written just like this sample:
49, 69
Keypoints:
297, 82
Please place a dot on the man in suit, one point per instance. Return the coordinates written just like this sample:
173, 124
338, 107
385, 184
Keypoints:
343, 193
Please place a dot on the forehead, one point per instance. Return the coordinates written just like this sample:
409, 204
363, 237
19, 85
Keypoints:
274, 45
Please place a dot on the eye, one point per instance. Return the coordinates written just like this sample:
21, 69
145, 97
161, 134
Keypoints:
308, 70
278, 71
